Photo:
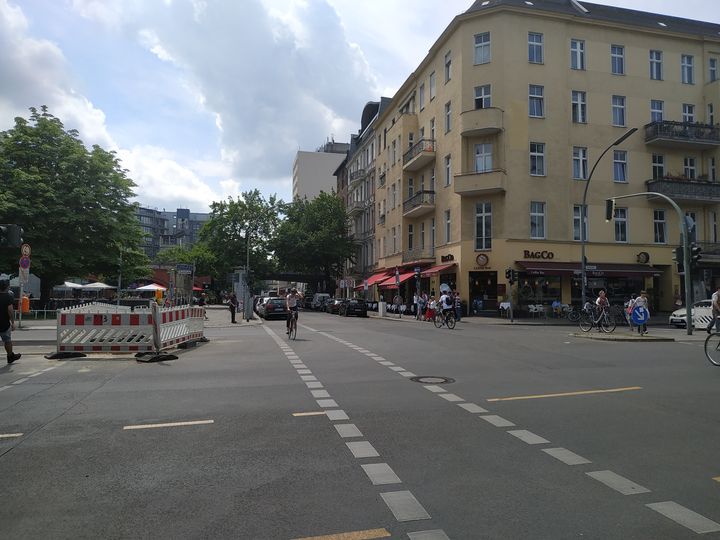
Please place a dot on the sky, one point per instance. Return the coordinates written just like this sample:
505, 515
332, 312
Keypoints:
205, 99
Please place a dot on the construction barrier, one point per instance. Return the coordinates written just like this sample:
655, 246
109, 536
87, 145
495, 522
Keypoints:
178, 325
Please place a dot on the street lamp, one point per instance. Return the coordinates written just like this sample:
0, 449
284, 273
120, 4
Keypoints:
583, 211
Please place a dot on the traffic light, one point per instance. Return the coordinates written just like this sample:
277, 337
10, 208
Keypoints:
695, 254
15, 235
4, 239
609, 209
513, 276
679, 258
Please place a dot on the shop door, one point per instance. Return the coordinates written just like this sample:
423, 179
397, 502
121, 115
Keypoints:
483, 292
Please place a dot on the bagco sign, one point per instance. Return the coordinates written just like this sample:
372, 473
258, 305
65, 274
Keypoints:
538, 254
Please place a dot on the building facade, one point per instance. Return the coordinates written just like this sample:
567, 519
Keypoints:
165, 229
485, 151
313, 171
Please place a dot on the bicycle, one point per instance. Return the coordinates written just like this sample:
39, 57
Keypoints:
444, 319
292, 330
573, 315
604, 321
712, 348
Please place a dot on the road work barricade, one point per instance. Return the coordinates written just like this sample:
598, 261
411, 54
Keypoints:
104, 328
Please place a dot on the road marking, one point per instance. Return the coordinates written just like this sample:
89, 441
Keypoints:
300, 366
314, 384
437, 534
386, 363
51, 367
362, 449
407, 374
685, 517
308, 377
364, 351
369, 534
327, 402
314, 413
307, 327
564, 394
348, 430
397, 368
4, 388
717, 478
10, 435
381, 474
380, 359
320, 393
338, 414
81, 370
404, 506
20, 381
304, 372
566, 456
170, 424
451, 397
472, 407
528, 436
618, 483
497, 421
434, 388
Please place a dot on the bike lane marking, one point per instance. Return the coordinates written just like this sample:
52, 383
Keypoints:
566, 394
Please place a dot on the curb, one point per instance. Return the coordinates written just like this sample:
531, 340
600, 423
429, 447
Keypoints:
611, 337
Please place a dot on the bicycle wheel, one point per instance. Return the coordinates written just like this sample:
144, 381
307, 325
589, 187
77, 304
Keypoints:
712, 348
573, 316
450, 321
438, 320
607, 323
586, 322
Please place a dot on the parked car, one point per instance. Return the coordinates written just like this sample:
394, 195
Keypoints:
275, 308
353, 306
307, 302
260, 306
333, 305
318, 300
703, 307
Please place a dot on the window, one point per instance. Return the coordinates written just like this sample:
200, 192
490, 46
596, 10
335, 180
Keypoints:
617, 59
712, 170
411, 234
580, 163
577, 54
657, 108
621, 222
537, 220
659, 226
689, 168
421, 96
656, 72
537, 159
447, 226
579, 107
688, 113
432, 232
618, 110
482, 48
432, 129
577, 220
432, 86
686, 69
432, 179
712, 69
535, 48
448, 120
483, 157
536, 101
393, 152
483, 226
711, 114
422, 235
448, 66
658, 166
411, 188
713, 227
482, 97
620, 166
448, 173
394, 241
393, 194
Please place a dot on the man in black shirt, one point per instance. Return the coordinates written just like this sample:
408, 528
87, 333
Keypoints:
7, 317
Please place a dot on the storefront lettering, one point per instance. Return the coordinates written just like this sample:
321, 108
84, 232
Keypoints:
538, 254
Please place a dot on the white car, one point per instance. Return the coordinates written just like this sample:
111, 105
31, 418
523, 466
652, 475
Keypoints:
700, 309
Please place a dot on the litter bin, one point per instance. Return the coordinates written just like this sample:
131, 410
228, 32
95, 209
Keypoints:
25, 304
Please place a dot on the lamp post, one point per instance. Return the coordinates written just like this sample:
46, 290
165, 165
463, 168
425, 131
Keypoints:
583, 212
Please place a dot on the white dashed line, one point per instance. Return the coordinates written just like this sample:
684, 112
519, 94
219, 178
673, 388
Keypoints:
566, 456
10, 435
304, 372
404, 506
528, 436
386, 363
434, 388
685, 517
437, 534
308, 378
497, 421
381, 474
20, 381
347, 431
338, 414
407, 374
327, 403
618, 483
397, 368
4, 388
170, 424
362, 449
451, 397
314, 384
472, 408
320, 393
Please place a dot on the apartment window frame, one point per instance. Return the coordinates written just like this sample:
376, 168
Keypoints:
690, 167
432, 128
580, 225
411, 236
620, 166
448, 226
657, 110
537, 220
658, 166
688, 113
483, 226
580, 162
537, 159
618, 111
578, 105
617, 59
712, 169
482, 50
483, 157
422, 235
577, 54
448, 117
394, 240
411, 188
421, 96
710, 114
621, 224
536, 100
448, 66
659, 226
536, 48
656, 65
687, 69
483, 96
448, 170
432, 85
712, 69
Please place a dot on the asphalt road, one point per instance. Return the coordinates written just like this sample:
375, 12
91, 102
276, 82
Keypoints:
541, 435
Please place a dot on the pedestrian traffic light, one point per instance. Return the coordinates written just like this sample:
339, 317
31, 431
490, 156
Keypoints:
609, 209
4, 240
679, 258
513, 276
695, 254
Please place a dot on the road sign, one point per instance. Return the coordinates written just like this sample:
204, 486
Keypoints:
24, 262
184, 269
25, 250
640, 315
590, 267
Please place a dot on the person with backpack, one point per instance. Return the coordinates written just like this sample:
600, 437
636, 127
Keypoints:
447, 303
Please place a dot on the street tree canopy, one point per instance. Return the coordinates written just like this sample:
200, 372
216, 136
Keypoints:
73, 203
199, 254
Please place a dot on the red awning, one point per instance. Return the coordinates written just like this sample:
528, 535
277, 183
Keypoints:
372, 280
436, 269
542, 268
389, 283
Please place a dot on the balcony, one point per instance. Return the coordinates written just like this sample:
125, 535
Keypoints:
426, 254
423, 202
682, 135
357, 177
481, 122
355, 208
421, 154
480, 183
698, 191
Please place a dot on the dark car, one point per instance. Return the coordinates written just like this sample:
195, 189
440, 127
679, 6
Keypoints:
307, 301
354, 306
333, 305
275, 308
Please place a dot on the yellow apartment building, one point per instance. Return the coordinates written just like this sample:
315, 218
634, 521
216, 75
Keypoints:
484, 153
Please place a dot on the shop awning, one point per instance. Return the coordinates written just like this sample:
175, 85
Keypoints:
389, 283
438, 269
372, 280
542, 268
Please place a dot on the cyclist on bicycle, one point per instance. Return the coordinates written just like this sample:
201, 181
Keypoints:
446, 303
291, 303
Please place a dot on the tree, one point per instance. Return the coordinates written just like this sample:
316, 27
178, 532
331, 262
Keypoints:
314, 237
199, 254
73, 203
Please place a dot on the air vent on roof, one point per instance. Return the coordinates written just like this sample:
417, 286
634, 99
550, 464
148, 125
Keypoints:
577, 5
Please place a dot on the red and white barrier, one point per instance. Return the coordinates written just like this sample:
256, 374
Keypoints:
177, 325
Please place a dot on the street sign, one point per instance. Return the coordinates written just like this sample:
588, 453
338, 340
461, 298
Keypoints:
365, 285
640, 315
24, 262
590, 267
25, 250
397, 277
184, 269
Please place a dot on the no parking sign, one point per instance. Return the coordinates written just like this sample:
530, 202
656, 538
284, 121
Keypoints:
640, 315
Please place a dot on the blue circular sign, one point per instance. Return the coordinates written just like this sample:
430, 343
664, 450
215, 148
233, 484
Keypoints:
640, 315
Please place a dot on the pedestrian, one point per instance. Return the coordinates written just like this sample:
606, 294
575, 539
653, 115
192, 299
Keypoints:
458, 306
641, 302
397, 302
629, 305
201, 302
416, 301
7, 318
715, 311
422, 304
432, 306
233, 304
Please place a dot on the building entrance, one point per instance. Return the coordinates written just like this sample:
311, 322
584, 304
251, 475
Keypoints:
483, 292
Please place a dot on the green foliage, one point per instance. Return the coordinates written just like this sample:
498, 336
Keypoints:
200, 254
73, 203
314, 237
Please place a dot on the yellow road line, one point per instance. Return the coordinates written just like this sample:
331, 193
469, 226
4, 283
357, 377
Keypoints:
564, 394
357, 535
314, 413
10, 435
170, 424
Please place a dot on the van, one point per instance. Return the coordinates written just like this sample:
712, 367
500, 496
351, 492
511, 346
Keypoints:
318, 299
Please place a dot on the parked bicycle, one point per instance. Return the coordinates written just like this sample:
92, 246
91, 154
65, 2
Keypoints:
446, 318
602, 319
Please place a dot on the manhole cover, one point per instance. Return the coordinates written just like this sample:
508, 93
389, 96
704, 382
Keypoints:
432, 379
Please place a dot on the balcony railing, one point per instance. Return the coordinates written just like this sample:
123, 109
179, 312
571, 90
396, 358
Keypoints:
701, 191
683, 135
357, 176
356, 207
419, 254
420, 203
420, 154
